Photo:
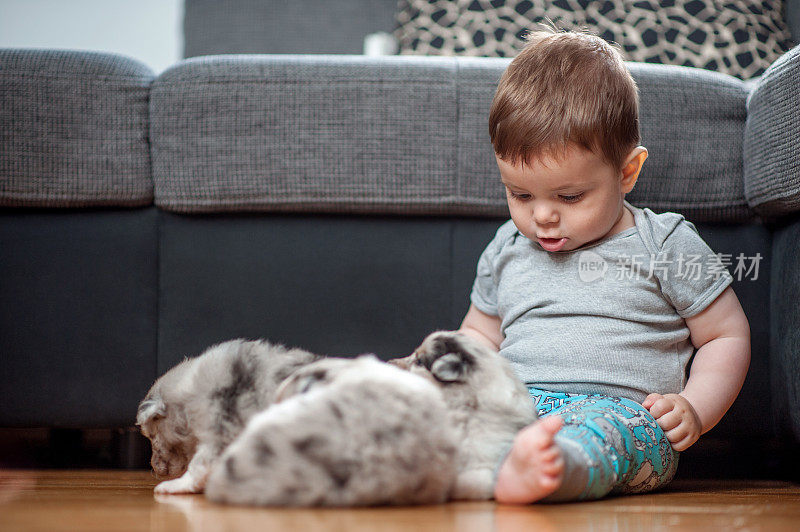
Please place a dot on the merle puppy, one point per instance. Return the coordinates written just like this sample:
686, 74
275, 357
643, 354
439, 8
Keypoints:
198, 407
487, 404
346, 432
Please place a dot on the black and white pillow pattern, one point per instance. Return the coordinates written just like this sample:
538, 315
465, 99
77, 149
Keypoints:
738, 37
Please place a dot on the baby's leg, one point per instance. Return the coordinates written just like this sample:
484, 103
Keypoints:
610, 445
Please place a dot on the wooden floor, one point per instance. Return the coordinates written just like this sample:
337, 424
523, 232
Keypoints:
123, 500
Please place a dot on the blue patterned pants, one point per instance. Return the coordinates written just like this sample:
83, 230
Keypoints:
609, 444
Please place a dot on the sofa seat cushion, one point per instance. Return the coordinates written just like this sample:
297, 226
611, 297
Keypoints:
771, 155
73, 129
407, 135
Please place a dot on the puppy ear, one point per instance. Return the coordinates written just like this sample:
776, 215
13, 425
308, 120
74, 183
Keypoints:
299, 383
452, 367
306, 382
150, 410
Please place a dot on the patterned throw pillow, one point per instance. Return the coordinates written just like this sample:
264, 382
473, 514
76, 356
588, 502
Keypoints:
738, 37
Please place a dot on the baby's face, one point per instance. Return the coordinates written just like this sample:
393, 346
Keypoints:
563, 204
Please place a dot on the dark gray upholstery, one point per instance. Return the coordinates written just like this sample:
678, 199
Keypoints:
785, 327
335, 285
73, 129
746, 416
78, 315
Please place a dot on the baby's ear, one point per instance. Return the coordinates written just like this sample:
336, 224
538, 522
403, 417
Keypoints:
452, 367
633, 165
150, 410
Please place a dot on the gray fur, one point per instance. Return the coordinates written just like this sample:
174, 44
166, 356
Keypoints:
197, 408
487, 403
346, 433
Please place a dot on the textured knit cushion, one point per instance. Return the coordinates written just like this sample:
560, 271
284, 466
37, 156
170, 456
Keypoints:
738, 37
692, 122
73, 129
305, 133
771, 154
407, 135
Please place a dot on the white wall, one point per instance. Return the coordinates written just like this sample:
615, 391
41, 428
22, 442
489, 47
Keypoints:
148, 30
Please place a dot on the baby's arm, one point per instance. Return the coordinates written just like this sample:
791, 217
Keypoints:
721, 335
483, 327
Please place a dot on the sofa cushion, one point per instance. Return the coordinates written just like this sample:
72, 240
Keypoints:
306, 133
73, 129
692, 122
407, 135
771, 157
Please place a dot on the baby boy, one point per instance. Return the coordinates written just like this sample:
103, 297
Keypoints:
597, 304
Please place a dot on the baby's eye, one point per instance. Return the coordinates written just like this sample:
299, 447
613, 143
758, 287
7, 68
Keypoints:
520, 196
572, 198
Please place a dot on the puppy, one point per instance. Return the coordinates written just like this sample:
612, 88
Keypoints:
198, 407
346, 432
487, 404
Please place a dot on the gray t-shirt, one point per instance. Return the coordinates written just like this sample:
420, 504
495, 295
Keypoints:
606, 318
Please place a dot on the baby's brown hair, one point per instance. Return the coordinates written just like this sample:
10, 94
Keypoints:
565, 88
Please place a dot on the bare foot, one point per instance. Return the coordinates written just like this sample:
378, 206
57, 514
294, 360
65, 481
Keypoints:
534, 468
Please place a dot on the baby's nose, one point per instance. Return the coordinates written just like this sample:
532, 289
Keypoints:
544, 214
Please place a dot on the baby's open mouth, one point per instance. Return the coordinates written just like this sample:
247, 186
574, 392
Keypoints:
552, 244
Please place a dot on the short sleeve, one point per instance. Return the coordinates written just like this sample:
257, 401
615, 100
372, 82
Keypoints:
484, 289
692, 276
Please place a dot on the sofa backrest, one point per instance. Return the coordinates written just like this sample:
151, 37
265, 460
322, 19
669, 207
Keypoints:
406, 135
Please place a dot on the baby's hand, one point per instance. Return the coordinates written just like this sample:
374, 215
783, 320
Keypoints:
676, 416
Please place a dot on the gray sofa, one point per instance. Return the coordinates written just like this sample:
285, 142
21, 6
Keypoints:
337, 203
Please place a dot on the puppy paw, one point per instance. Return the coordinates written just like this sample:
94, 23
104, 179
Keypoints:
182, 485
